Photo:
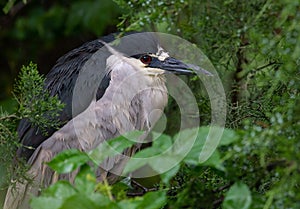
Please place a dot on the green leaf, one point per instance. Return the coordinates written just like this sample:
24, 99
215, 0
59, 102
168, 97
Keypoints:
54, 196
201, 146
151, 200
83, 201
164, 162
45, 203
193, 155
167, 176
215, 161
102, 201
164, 154
61, 189
147, 156
238, 197
114, 146
162, 142
185, 140
229, 136
85, 180
67, 161
135, 163
125, 204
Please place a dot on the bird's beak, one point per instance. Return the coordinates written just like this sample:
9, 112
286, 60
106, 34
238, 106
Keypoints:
175, 66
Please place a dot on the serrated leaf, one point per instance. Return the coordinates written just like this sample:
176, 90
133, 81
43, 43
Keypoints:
238, 197
67, 161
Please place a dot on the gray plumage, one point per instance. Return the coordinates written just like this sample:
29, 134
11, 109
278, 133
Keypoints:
103, 119
130, 102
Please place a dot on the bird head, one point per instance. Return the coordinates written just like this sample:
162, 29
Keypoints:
153, 64
158, 64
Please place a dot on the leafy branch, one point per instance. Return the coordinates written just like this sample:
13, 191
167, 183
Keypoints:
34, 104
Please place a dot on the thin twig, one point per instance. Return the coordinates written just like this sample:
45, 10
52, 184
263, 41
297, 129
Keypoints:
9, 116
222, 188
261, 68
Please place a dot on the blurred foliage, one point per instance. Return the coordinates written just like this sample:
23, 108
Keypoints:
101, 195
87, 193
42, 31
255, 47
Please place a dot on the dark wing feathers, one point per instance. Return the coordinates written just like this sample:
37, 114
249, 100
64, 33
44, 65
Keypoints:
60, 81
63, 77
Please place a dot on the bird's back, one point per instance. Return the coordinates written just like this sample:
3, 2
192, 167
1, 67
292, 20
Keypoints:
63, 78
125, 106
60, 81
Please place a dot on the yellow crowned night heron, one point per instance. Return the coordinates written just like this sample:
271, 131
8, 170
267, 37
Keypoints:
119, 92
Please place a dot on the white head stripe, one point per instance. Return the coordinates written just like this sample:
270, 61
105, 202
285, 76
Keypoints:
161, 53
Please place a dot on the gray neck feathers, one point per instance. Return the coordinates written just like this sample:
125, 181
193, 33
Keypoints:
129, 103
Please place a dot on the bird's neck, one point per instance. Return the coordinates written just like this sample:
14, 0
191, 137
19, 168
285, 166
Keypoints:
134, 93
138, 98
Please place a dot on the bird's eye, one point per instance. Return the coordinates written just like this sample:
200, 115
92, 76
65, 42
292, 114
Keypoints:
146, 59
